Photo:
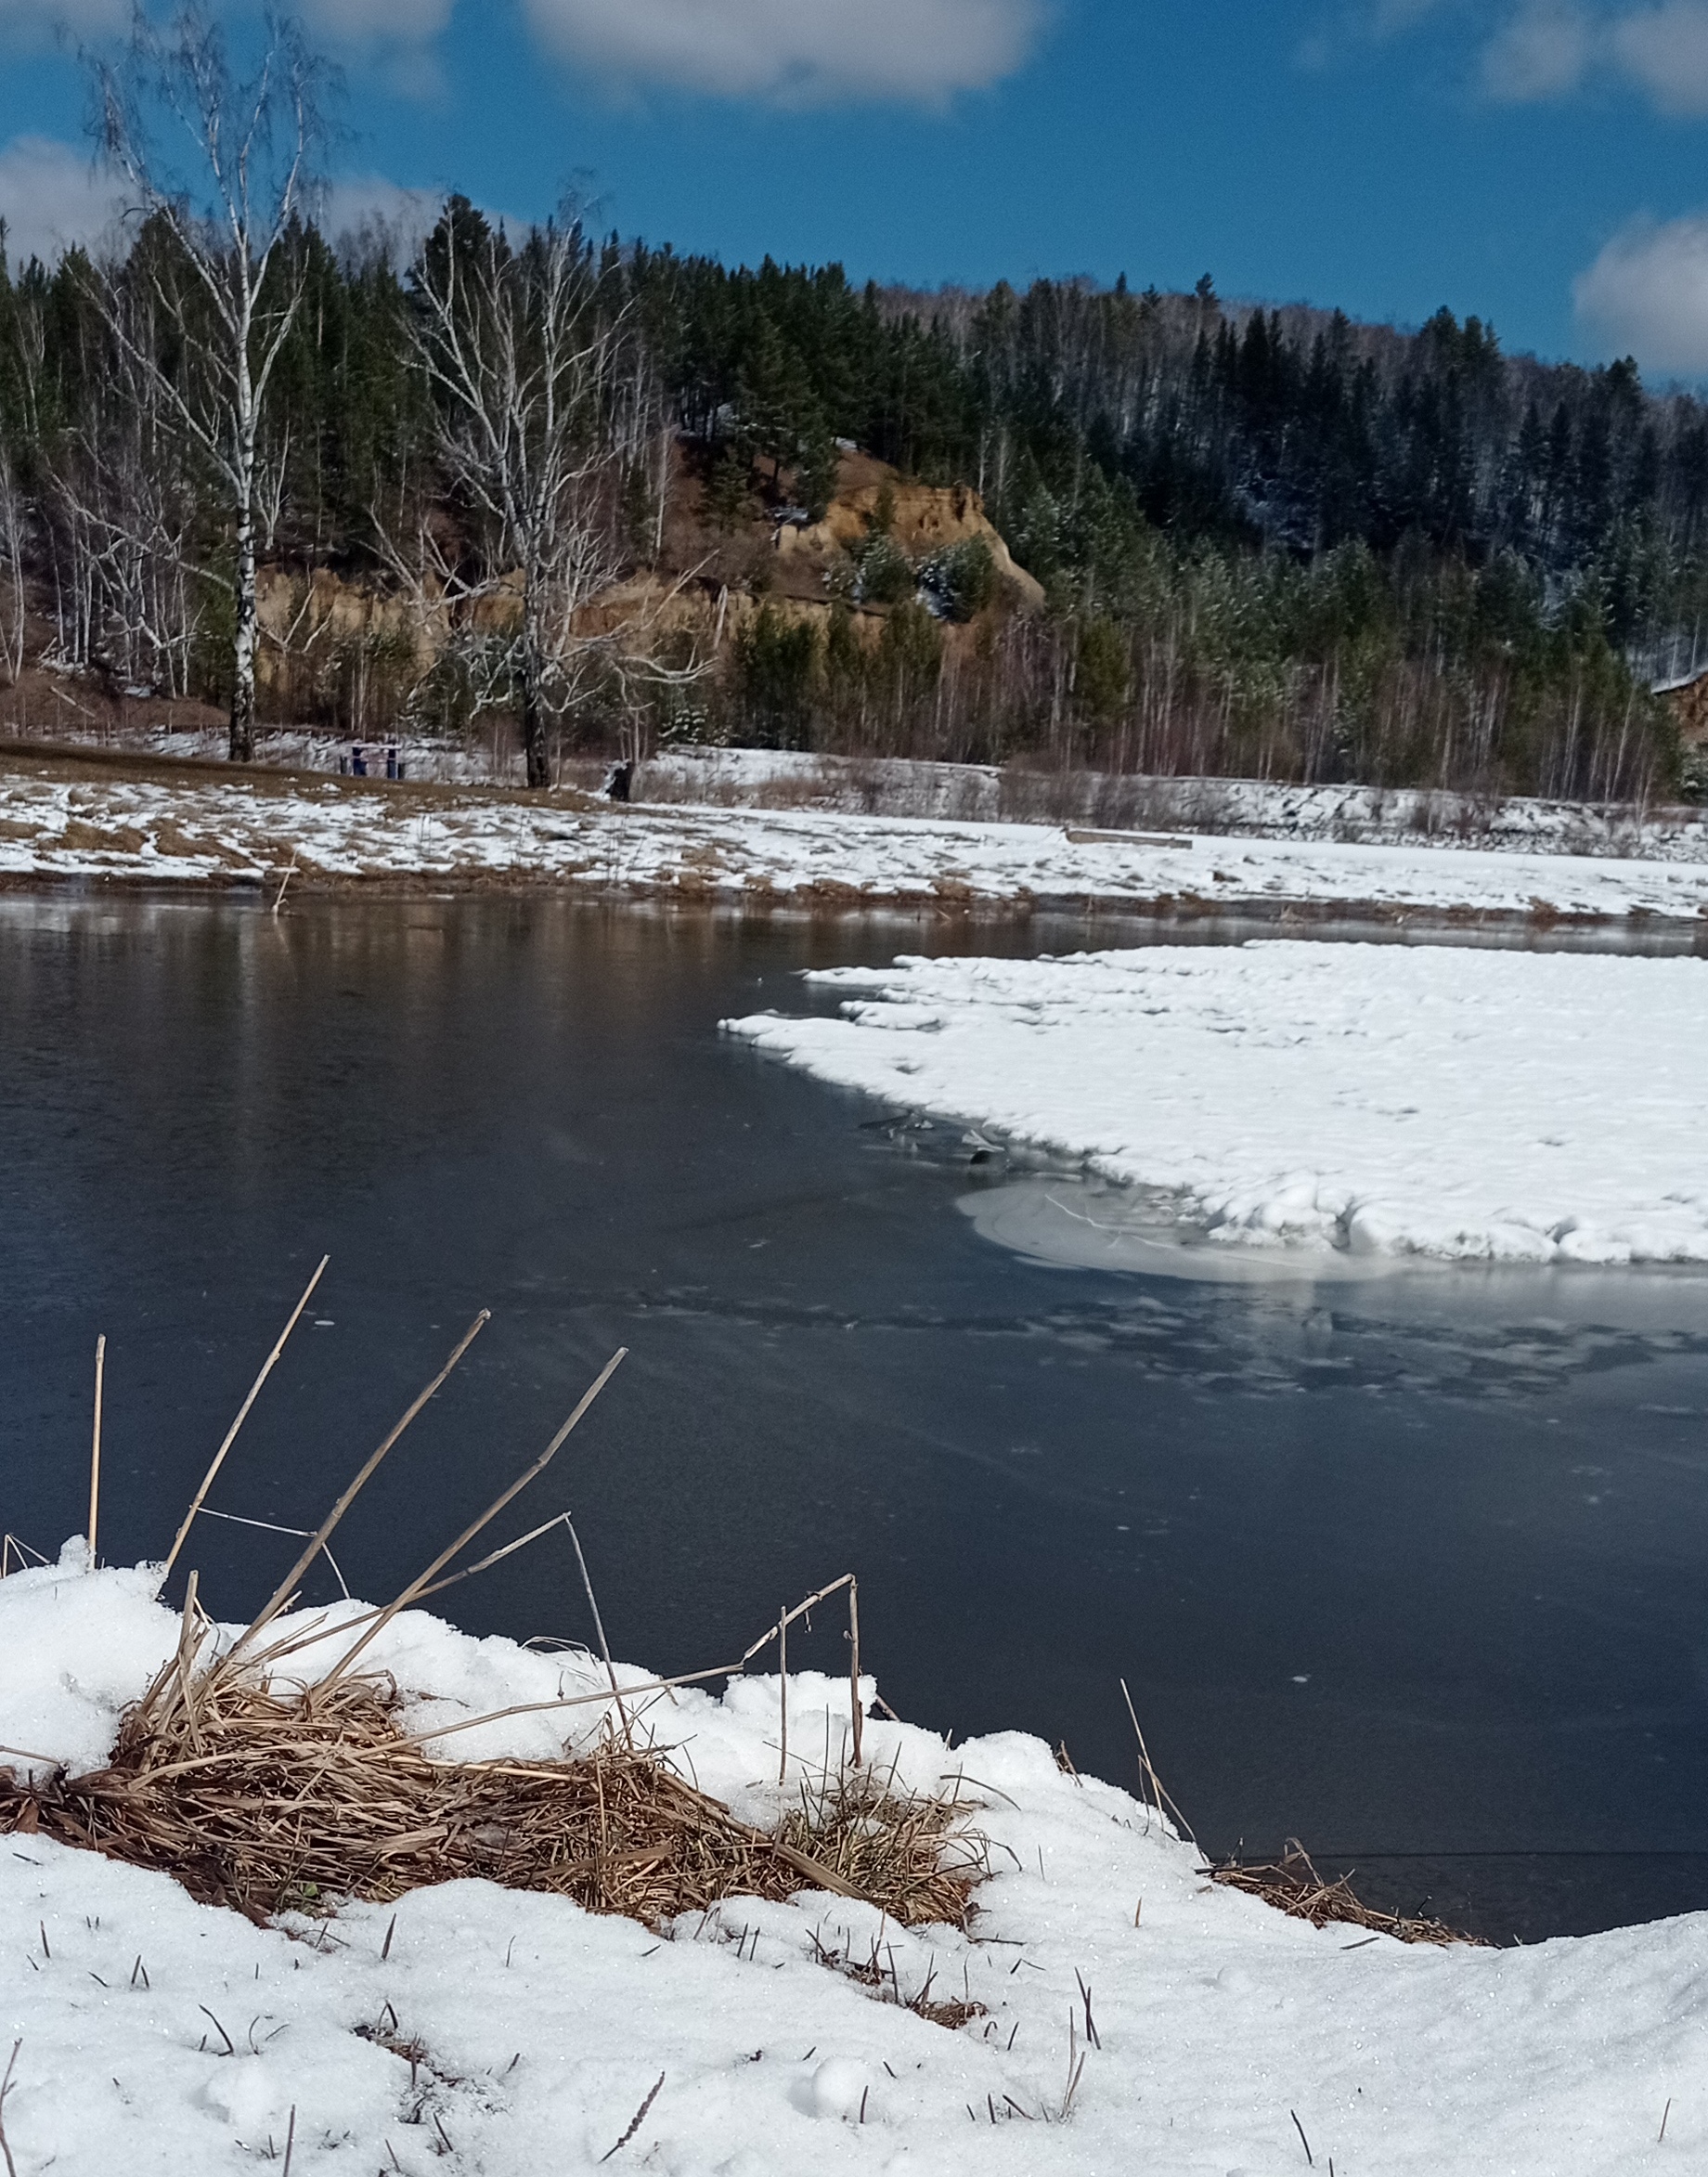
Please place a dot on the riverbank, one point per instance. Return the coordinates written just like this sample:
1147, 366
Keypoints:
1116, 2009
128, 824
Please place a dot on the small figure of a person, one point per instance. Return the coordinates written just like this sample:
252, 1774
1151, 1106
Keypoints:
616, 783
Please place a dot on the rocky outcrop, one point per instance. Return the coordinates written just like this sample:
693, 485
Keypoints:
921, 518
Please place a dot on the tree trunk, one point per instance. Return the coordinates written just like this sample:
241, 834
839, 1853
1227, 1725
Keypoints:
243, 749
535, 757
535, 754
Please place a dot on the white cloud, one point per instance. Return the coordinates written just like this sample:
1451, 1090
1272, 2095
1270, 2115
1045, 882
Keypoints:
368, 208
1549, 49
1647, 295
1530, 51
377, 22
1665, 49
395, 37
1544, 52
795, 52
51, 197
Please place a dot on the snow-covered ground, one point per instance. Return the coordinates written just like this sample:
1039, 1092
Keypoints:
250, 831
906, 786
1378, 1100
1257, 808
508, 2034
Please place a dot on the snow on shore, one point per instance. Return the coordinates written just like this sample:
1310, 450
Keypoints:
1261, 808
250, 830
912, 786
509, 2033
1418, 1099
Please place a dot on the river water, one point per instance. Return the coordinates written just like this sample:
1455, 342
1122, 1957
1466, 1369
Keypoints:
1413, 1570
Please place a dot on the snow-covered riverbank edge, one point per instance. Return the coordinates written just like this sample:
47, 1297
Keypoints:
1346, 1101
90, 825
480, 2029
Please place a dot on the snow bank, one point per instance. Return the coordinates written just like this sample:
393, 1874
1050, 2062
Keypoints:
478, 2029
1257, 808
250, 831
911, 786
1427, 1100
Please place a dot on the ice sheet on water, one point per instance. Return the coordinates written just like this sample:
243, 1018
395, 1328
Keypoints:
1325, 1100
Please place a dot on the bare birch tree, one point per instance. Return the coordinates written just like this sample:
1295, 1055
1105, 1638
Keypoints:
530, 373
218, 168
13, 520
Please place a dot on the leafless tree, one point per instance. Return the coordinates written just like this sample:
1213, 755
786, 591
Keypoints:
218, 168
13, 519
533, 373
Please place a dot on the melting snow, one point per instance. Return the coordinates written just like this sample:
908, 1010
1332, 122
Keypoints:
509, 2033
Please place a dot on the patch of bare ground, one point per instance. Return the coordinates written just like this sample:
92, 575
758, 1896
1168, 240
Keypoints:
78, 836
26, 762
172, 839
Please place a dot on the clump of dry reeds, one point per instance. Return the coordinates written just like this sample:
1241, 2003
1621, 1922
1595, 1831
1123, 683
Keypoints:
915, 1857
273, 1796
275, 1803
1293, 1885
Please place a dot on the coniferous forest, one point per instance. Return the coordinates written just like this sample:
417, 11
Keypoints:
1264, 542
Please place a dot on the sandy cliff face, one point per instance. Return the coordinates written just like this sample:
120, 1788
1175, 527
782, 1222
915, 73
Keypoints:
707, 586
922, 519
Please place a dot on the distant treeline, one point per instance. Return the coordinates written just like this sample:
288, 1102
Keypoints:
1271, 542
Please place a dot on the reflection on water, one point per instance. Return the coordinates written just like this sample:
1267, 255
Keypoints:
1412, 1568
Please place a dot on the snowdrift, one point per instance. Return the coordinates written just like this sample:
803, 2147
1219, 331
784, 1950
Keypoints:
1122, 2013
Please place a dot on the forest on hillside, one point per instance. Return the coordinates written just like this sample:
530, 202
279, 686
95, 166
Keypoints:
1270, 542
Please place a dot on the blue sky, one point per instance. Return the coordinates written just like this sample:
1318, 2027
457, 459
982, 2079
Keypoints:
1541, 162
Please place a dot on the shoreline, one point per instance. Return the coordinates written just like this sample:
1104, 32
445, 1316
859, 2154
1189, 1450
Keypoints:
111, 822
1354, 918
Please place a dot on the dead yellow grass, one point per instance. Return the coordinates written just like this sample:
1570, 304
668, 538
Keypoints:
272, 1803
271, 1797
1293, 1885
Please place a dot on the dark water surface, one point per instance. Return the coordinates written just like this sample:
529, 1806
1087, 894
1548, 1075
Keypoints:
1415, 1571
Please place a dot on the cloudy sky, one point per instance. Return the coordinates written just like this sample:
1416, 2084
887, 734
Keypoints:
1541, 162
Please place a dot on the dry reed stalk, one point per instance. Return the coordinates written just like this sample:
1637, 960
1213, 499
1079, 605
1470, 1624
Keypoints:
856, 1711
268, 1801
1293, 1885
287, 1588
691, 1677
1159, 1796
296, 1641
8, 2084
95, 1447
599, 1623
268, 1365
505, 1496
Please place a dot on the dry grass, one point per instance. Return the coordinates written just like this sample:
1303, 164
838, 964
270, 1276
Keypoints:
274, 1803
271, 1797
916, 1857
1293, 1885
